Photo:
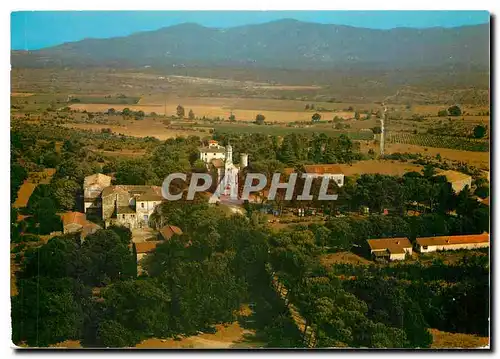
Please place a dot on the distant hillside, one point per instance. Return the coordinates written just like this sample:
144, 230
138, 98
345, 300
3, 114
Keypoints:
286, 44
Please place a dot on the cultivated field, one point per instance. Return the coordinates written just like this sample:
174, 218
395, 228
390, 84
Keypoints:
213, 111
29, 185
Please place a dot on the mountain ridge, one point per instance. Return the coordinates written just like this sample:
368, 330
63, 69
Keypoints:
285, 43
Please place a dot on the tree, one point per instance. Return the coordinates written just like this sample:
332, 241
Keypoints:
45, 311
316, 117
376, 130
482, 191
442, 113
46, 217
232, 117
479, 131
65, 193
139, 115
111, 111
307, 107
126, 112
58, 258
135, 172
454, 111
356, 115
191, 115
112, 334
259, 119
180, 111
106, 258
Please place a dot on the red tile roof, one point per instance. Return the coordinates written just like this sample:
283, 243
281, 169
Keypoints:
169, 231
450, 240
74, 217
323, 169
146, 247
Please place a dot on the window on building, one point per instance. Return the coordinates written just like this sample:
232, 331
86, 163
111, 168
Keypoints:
142, 204
339, 180
123, 216
424, 247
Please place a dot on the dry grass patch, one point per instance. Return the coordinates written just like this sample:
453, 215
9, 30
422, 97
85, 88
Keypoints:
342, 258
443, 340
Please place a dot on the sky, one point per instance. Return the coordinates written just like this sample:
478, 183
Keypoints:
31, 30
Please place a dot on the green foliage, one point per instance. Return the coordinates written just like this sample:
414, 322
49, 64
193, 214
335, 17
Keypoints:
106, 258
180, 111
479, 131
64, 192
482, 191
376, 130
259, 119
135, 172
454, 111
191, 115
45, 311
443, 113
316, 117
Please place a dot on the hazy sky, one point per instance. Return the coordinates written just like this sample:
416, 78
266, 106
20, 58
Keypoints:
38, 29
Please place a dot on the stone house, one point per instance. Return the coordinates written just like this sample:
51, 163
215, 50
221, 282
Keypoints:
129, 205
92, 188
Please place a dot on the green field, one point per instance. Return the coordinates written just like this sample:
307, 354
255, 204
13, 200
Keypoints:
456, 143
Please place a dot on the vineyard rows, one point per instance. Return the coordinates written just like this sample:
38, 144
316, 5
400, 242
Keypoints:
456, 143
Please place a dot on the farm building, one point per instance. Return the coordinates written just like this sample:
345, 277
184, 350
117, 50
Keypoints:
332, 171
447, 243
142, 249
76, 222
392, 249
458, 180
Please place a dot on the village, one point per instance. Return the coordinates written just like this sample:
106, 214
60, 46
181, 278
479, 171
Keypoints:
132, 207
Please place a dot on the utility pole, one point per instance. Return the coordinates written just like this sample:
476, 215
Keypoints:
382, 130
